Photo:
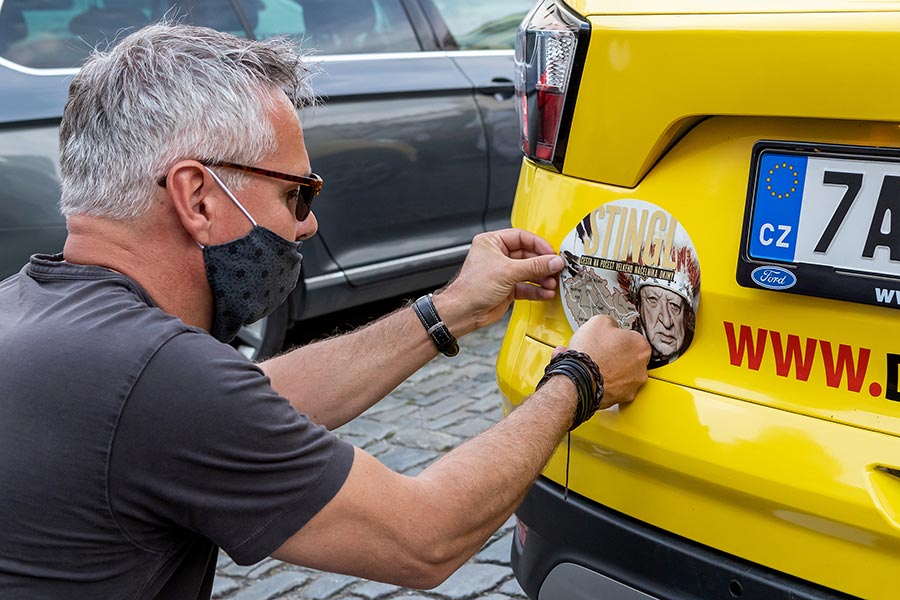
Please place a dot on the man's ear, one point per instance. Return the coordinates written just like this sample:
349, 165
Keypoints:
189, 190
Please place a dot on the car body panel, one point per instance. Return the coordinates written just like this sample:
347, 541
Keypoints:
624, 121
29, 178
490, 75
785, 454
388, 129
666, 7
32, 94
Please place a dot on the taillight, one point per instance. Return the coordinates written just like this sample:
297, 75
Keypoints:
550, 47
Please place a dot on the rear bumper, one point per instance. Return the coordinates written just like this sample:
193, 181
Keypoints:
580, 549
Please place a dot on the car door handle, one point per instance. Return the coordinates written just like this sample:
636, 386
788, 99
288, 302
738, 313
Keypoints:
885, 490
501, 88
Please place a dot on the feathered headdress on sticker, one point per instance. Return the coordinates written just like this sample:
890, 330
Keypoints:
685, 283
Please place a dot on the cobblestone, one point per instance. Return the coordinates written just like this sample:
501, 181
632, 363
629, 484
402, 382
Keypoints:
472, 580
366, 427
448, 420
400, 458
487, 404
451, 406
498, 551
512, 589
327, 585
395, 415
470, 426
223, 586
274, 586
437, 408
374, 590
426, 439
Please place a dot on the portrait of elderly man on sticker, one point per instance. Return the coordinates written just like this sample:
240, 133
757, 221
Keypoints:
667, 308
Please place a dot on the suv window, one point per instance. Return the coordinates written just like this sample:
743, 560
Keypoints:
61, 33
480, 25
47, 34
339, 26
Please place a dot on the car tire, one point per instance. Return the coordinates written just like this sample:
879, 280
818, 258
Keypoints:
264, 338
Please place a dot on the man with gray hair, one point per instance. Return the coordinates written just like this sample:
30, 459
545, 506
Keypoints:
136, 443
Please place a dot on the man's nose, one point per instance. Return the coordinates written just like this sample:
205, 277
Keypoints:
307, 227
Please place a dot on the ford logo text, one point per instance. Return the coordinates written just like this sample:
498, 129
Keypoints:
773, 278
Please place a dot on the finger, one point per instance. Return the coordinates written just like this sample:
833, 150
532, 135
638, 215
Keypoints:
642, 344
529, 291
607, 322
548, 283
522, 253
519, 239
535, 269
559, 349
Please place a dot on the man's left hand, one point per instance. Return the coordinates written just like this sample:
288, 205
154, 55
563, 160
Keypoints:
502, 266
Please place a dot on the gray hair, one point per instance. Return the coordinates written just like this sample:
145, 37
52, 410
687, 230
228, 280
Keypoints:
166, 93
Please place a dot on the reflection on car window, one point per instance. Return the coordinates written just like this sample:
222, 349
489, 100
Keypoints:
61, 33
339, 26
219, 14
480, 25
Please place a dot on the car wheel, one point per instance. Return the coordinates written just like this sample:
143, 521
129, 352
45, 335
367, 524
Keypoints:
264, 338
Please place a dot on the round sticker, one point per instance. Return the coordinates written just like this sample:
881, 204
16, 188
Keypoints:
633, 261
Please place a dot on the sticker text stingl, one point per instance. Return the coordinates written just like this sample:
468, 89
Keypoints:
632, 232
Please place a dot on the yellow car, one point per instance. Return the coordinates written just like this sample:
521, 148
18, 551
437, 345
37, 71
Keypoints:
752, 146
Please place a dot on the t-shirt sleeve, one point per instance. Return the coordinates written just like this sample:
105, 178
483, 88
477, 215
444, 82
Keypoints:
205, 444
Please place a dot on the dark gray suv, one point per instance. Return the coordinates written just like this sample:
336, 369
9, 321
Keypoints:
415, 137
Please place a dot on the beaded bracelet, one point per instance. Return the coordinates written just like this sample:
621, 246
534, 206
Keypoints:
585, 374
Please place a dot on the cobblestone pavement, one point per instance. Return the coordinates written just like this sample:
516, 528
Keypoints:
440, 406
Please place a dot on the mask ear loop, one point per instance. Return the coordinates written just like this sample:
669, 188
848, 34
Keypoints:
230, 195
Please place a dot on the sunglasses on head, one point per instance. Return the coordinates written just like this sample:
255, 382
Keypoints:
308, 187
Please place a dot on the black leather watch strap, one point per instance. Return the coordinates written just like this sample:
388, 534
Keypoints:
437, 330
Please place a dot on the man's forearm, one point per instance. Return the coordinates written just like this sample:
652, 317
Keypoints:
335, 380
431, 524
482, 481
338, 379
428, 525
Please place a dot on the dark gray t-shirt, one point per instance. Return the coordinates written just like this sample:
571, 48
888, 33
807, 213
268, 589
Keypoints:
133, 445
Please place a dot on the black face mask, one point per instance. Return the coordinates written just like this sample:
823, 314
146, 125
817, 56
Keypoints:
250, 276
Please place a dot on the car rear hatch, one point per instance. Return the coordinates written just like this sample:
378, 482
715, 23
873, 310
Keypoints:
689, 108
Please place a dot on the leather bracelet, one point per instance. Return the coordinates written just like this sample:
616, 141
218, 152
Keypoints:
436, 328
585, 374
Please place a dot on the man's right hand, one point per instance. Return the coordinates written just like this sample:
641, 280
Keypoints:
621, 354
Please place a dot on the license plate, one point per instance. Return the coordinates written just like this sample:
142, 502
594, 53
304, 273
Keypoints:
823, 221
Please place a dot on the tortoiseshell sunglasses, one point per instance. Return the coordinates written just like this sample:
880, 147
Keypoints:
307, 187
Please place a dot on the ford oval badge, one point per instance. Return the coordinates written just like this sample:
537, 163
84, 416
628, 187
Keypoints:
773, 278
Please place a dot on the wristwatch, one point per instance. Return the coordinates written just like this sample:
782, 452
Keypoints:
437, 329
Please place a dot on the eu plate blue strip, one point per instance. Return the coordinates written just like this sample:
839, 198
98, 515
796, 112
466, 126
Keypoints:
776, 212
